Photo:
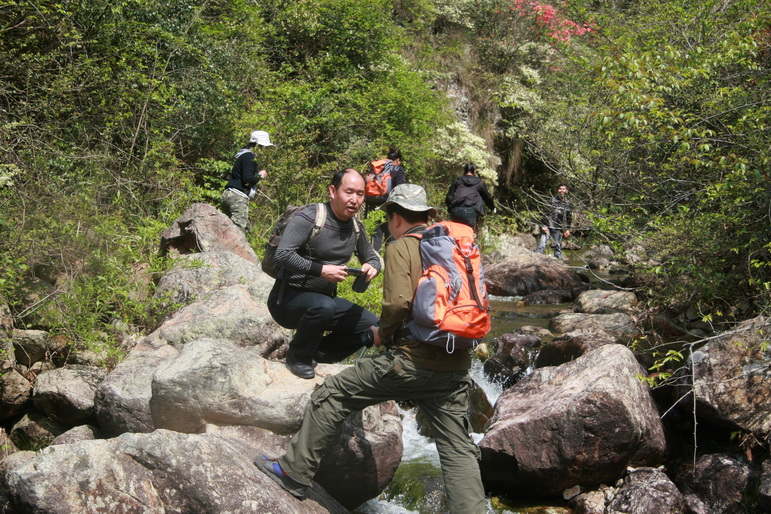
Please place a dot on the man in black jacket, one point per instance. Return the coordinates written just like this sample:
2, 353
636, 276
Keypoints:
556, 222
467, 197
243, 181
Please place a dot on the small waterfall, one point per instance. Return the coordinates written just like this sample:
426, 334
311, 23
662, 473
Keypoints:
417, 448
491, 388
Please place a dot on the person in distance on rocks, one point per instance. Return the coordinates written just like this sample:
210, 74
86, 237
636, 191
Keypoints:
556, 222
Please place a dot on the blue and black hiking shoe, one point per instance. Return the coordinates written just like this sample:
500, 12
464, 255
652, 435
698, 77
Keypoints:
273, 469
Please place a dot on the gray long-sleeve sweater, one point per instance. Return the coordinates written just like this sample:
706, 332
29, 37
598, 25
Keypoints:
300, 264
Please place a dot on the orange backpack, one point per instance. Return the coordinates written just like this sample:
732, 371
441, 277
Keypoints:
378, 179
450, 308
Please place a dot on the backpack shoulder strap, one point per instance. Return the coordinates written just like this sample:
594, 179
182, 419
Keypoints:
318, 223
356, 227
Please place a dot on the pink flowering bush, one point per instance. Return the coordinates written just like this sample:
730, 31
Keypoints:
551, 21
515, 32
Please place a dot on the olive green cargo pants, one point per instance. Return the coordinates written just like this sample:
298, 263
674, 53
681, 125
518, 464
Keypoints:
442, 396
237, 207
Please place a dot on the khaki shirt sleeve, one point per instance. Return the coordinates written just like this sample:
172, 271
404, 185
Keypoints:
402, 271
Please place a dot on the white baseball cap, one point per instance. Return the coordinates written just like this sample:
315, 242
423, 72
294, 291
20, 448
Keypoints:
261, 138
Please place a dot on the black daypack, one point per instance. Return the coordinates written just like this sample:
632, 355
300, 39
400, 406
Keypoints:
268, 260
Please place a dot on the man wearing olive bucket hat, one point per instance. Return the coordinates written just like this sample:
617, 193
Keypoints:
436, 380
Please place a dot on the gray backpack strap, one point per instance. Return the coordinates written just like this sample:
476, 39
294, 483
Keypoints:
356, 228
318, 223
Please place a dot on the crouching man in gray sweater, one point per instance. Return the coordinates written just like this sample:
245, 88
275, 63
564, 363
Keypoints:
304, 297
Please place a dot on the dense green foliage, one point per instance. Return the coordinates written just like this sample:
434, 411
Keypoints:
681, 150
114, 118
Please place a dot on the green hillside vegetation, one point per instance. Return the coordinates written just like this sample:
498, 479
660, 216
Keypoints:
116, 117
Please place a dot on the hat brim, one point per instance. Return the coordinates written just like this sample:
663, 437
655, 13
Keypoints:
411, 207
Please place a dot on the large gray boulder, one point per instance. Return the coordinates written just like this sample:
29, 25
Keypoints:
229, 313
159, 472
203, 228
619, 325
503, 246
730, 378
122, 399
526, 272
194, 276
581, 423
600, 301
67, 394
215, 381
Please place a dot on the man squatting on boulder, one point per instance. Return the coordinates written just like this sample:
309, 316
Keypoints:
408, 370
304, 297
242, 183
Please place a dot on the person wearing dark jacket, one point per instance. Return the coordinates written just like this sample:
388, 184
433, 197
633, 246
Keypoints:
242, 183
556, 222
304, 298
467, 197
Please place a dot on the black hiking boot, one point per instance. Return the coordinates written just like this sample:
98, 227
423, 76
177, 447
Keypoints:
300, 368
